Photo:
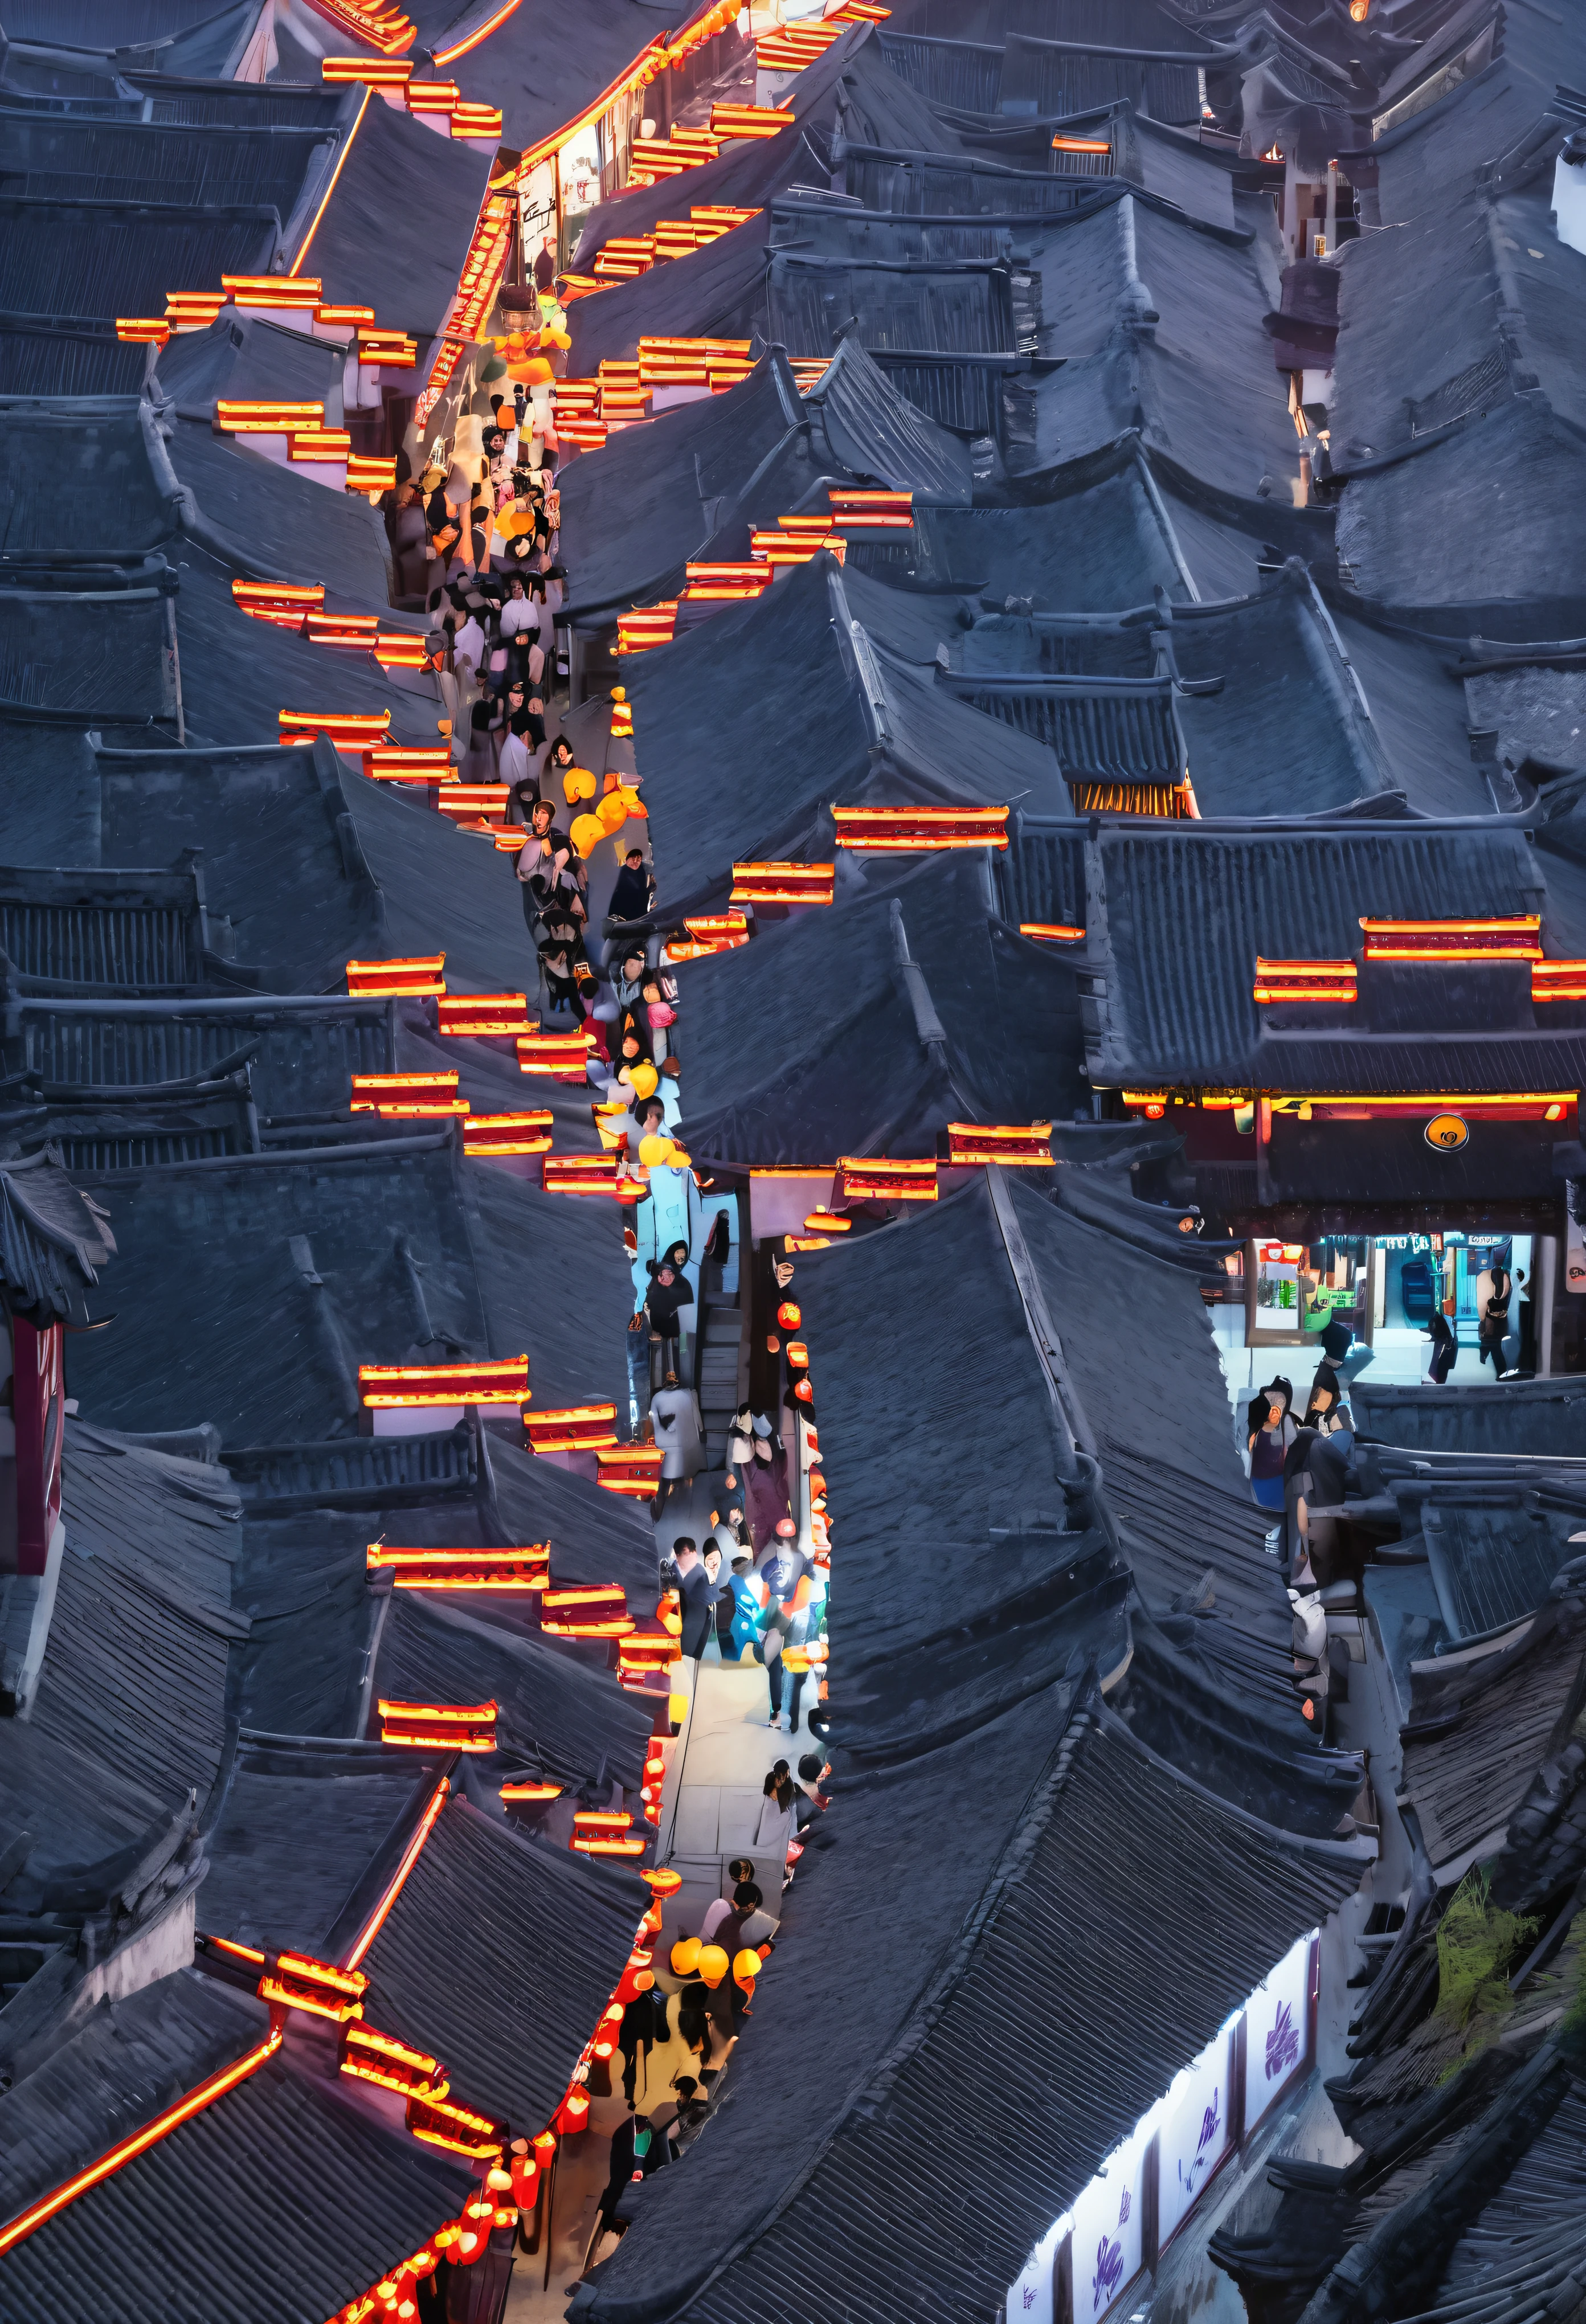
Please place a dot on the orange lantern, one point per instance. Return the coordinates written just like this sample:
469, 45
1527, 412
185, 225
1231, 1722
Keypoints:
804, 1392
745, 1968
686, 1954
663, 1882
712, 1964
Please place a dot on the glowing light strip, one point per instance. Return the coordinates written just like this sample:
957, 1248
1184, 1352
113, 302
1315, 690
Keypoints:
1279, 995
1456, 1103
461, 48
438, 2123
1306, 980
507, 1133
404, 1731
1514, 936
916, 829
887, 1182
129, 2149
503, 1381
240, 1952
341, 161
377, 1919
375, 1553
1025, 1148
1051, 932
1558, 980
298, 1981
376, 2057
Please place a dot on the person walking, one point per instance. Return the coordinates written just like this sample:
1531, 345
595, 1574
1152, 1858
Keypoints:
638, 2146
698, 1594
669, 1292
1493, 1293
778, 1822
679, 1433
1268, 1449
1446, 1348
765, 1484
782, 1570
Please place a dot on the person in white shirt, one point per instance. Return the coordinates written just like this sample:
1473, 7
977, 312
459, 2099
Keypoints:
777, 1823
520, 612
516, 761
469, 646
676, 1414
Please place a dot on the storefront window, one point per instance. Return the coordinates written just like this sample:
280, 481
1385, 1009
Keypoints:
1294, 1289
1197, 2127
537, 205
1277, 2032
1107, 2221
578, 176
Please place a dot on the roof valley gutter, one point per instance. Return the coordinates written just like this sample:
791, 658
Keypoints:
340, 164
866, 2099
410, 1857
1074, 1430
129, 2149
1163, 519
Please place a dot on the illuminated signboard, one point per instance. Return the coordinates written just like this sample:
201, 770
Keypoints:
1278, 2019
1196, 2131
1088, 2259
1106, 2231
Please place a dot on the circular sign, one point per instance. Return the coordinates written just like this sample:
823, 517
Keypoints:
1447, 1132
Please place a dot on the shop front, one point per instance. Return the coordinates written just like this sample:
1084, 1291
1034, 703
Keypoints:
1382, 1213
1386, 1288
1302, 1166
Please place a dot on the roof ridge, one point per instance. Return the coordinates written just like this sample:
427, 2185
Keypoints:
873, 2079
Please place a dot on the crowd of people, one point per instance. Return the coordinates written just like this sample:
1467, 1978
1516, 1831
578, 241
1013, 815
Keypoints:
477, 540
753, 1593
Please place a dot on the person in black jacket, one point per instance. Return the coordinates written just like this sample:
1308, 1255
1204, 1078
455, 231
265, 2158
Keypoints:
698, 1593
638, 2146
670, 1292
1446, 1348
644, 2024
634, 891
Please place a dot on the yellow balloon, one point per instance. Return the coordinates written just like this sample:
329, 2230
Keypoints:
644, 1077
587, 834
654, 1151
678, 1159
712, 1964
611, 813
685, 1956
578, 783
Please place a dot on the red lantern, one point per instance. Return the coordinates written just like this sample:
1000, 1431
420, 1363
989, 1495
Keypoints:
804, 1392
574, 2113
789, 1316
